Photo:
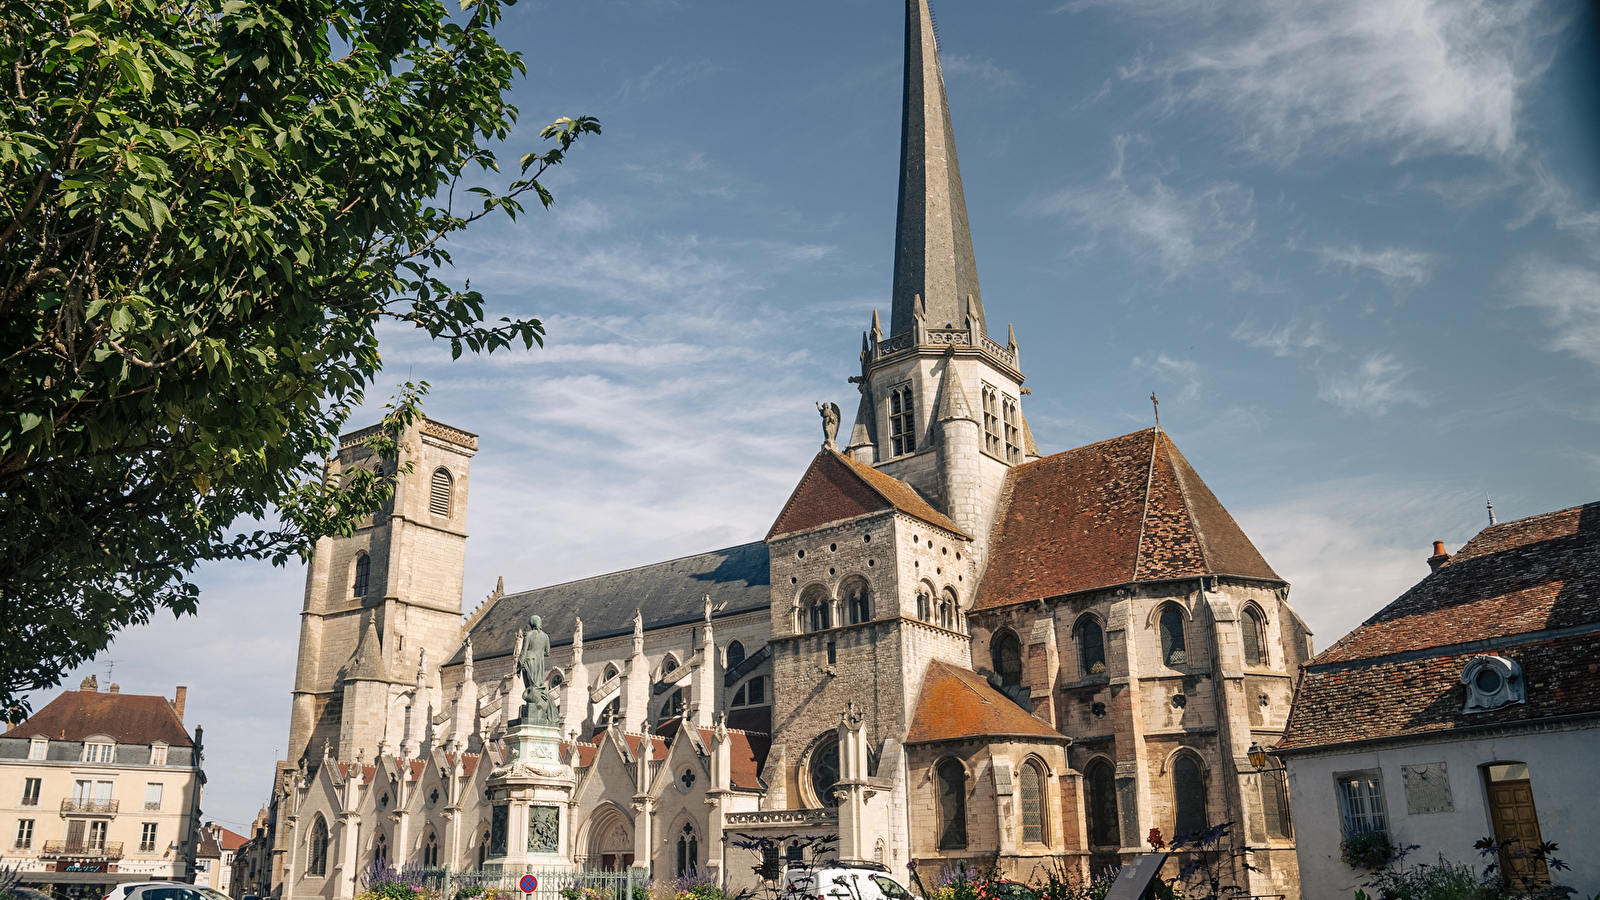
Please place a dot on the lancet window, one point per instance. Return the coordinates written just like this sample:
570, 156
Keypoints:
902, 421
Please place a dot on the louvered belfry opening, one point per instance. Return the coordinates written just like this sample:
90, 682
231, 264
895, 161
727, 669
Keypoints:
439, 500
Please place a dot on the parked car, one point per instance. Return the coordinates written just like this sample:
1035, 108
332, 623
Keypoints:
835, 881
158, 890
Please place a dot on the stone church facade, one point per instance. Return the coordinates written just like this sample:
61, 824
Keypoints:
947, 647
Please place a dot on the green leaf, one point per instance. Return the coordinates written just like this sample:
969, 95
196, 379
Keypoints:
84, 38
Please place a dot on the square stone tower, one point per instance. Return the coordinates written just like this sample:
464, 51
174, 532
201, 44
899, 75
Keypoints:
391, 590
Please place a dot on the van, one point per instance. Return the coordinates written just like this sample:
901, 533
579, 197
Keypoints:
836, 881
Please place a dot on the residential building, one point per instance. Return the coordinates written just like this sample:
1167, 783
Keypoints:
1466, 709
251, 867
948, 647
98, 788
214, 861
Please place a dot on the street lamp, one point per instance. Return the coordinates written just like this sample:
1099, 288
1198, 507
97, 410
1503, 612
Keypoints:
1258, 756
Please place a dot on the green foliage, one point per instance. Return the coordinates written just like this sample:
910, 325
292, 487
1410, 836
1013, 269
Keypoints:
1442, 881
207, 207
1371, 851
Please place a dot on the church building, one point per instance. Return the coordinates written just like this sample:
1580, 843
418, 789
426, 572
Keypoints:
948, 646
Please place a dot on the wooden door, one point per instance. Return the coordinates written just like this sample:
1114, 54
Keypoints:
1516, 828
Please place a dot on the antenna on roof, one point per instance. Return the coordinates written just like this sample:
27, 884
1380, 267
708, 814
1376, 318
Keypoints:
1156, 404
1486, 502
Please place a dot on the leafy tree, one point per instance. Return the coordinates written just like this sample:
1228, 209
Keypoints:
208, 208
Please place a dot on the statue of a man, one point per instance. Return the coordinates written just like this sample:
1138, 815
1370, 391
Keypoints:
531, 666
830, 424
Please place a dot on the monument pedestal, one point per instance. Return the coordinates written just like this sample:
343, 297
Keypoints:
529, 797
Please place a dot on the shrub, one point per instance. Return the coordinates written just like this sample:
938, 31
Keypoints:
1371, 851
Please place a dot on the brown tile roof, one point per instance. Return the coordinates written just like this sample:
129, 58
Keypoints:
1124, 510
128, 718
836, 487
747, 756
228, 839
1529, 575
1528, 590
957, 703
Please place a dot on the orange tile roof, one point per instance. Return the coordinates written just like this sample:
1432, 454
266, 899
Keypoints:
230, 840
957, 703
1119, 511
127, 718
836, 487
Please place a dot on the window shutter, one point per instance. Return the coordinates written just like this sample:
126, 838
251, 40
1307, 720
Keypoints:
439, 501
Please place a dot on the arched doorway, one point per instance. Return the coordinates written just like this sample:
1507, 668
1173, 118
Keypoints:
610, 841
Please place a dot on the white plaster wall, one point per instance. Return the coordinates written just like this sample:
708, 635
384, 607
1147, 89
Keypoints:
1561, 767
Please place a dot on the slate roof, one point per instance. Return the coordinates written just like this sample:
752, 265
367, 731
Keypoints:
1124, 510
836, 487
128, 718
957, 703
1528, 590
666, 593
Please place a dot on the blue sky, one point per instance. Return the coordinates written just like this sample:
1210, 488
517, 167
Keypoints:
1354, 246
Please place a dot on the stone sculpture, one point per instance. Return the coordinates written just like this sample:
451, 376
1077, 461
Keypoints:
830, 424
538, 704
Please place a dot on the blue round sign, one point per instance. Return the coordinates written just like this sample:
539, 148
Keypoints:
529, 883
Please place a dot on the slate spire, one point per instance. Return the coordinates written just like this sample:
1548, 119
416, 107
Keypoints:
933, 245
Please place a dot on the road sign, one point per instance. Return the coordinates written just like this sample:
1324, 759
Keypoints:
528, 883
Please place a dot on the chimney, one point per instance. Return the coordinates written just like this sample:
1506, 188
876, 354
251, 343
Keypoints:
90, 684
114, 689
177, 703
1439, 557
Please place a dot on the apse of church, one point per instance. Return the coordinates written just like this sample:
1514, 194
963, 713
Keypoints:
948, 646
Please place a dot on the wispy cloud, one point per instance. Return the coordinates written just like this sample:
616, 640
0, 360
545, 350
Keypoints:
1408, 77
1371, 388
1396, 265
979, 70
1182, 372
1569, 297
1173, 229
1288, 339
669, 75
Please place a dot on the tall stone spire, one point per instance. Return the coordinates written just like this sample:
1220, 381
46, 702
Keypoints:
933, 245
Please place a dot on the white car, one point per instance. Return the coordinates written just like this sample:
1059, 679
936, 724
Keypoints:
161, 890
853, 882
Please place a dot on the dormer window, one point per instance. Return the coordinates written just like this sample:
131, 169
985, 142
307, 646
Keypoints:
1492, 682
158, 754
98, 751
902, 421
38, 747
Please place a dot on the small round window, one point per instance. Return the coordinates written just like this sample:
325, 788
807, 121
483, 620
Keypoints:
1488, 680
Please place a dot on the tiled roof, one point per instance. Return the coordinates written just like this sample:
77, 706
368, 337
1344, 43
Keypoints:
957, 703
665, 593
1529, 575
1124, 510
747, 755
228, 839
128, 718
1528, 590
836, 488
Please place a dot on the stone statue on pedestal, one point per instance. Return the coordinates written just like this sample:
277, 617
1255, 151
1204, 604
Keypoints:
830, 424
538, 704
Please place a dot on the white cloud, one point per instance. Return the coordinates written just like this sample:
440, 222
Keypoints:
1175, 230
1289, 339
1372, 388
669, 75
980, 70
1569, 297
1184, 372
1409, 77
1395, 265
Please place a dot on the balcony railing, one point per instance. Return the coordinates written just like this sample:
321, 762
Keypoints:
152, 806
92, 807
83, 849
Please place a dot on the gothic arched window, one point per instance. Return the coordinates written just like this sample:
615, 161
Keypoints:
1007, 652
673, 707
380, 850
1104, 830
1255, 637
363, 574
439, 496
735, 654
951, 778
902, 421
1188, 797
1032, 803
924, 605
1091, 648
430, 851
1173, 652
318, 864
947, 609
688, 851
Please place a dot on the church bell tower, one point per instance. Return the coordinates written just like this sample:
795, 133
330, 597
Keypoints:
940, 399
